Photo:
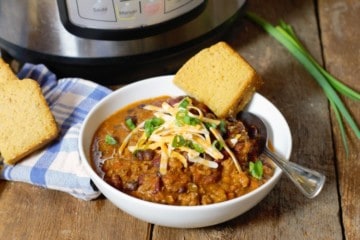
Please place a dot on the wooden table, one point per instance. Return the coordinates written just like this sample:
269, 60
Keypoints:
329, 29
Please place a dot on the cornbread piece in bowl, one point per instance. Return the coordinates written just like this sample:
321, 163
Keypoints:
219, 77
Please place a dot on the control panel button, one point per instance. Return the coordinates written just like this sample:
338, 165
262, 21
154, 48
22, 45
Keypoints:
100, 10
152, 7
128, 10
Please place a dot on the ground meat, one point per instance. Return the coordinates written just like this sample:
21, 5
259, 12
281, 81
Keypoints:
137, 173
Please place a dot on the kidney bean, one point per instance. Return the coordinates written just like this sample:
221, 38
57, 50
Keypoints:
156, 161
115, 181
253, 132
157, 185
173, 101
145, 155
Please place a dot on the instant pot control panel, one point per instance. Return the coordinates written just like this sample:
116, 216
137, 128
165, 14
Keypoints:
125, 19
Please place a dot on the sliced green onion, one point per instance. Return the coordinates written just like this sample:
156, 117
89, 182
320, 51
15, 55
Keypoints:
256, 169
110, 140
152, 124
222, 127
184, 103
210, 125
218, 145
130, 124
183, 118
196, 147
180, 141
330, 85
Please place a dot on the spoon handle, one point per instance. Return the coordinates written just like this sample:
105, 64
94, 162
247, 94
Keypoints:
309, 182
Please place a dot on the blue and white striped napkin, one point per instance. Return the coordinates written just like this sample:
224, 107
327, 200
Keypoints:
58, 166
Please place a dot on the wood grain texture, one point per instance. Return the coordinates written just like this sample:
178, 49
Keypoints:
29, 212
285, 213
333, 38
339, 21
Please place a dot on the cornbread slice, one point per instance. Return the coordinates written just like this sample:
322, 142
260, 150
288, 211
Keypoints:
26, 122
6, 74
220, 78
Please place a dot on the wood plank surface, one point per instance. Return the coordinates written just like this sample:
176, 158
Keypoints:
329, 30
339, 21
29, 212
285, 213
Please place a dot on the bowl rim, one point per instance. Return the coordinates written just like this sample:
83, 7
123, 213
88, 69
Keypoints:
95, 176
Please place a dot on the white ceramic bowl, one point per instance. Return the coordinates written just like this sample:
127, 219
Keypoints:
180, 216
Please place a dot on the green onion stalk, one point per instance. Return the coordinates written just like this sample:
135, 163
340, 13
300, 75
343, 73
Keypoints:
331, 86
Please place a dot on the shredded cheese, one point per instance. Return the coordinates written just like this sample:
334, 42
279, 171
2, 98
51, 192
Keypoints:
183, 128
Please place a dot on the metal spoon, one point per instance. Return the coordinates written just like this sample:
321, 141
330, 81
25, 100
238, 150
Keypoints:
309, 182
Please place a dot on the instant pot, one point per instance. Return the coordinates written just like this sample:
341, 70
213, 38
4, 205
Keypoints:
112, 41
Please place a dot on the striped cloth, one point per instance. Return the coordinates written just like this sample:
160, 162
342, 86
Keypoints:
59, 166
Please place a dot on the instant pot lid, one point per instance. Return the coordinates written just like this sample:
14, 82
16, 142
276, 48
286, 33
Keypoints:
45, 40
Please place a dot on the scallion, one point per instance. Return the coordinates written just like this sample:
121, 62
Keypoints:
222, 127
180, 141
183, 118
256, 169
152, 124
331, 86
184, 103
218, 145
130, 123
110, 140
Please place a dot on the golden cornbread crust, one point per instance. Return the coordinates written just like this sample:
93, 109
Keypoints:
26, 121
220, 78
